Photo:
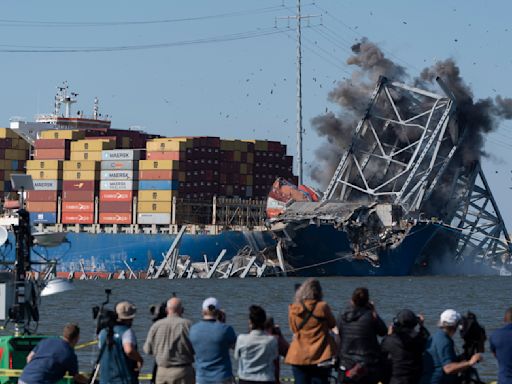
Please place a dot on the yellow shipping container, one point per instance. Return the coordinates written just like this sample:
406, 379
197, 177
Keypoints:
158, 164
3, 164
8, 173
156, 196
260, 145
2, 186
249, 180
243, 169
51, 174
227, 145
7, 133
86, 155
16, 154
92, 145
20, 144
125, 142
154, 207
250, 157
237, 156
70, 134
44, 164
168, 145
81, 165
81, 175
182, 176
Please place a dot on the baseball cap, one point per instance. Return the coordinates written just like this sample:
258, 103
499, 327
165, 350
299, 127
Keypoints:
125, 310
211, 301
450, 317
407, 318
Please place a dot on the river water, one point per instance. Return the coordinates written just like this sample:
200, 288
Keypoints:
488, 297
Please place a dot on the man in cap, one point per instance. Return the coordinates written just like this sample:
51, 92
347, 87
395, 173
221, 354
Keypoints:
211, 341
168, 341
403, 348
52, 358
120, 361
501, 347
440, 363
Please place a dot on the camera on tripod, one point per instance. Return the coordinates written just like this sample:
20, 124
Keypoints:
105, 318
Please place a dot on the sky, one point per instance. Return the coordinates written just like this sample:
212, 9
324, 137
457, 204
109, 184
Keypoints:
228, 68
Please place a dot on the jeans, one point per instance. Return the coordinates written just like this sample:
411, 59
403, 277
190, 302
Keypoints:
310, 374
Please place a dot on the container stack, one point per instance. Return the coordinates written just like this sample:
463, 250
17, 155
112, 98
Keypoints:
47, 179
202, 168
159, 179
13, 154
81, 180
119, 184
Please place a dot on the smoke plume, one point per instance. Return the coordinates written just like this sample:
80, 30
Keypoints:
475, 117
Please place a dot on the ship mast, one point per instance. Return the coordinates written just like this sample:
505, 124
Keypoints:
299, 96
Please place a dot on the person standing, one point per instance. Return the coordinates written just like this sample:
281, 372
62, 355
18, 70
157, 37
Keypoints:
312, 347
403, 348
256, 351
440, 365
501, 347
168, 341
282, 345
211, 340
120, 362
359, 326
49, 361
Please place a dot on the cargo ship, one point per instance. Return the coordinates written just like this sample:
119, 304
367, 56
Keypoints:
122, 195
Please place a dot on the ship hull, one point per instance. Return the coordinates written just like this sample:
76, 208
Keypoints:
323, 250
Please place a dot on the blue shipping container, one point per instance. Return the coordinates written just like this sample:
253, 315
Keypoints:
14, 164
168, 185
43, 217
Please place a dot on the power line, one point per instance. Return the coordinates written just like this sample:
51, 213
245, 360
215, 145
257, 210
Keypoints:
216, 39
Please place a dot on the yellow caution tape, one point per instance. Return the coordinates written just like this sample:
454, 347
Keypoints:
85, 345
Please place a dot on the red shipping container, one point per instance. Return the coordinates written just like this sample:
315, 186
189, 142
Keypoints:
77, 196
171, 155
115, 206
115, 218
80, 185
41, 206
42, 195
51, 154
77, 206
51, 144
116, 196
158, 175
77, 218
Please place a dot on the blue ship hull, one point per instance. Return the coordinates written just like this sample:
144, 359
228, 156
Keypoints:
108, 252
323, 250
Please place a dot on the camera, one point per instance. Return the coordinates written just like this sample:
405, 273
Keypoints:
105, 318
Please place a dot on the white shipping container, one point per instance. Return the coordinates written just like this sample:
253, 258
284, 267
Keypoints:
117, 175
47, 185
129, 165
117, 185
154, 218
121, 154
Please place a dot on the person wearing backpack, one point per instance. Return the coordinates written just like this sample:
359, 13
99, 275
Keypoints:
313, 346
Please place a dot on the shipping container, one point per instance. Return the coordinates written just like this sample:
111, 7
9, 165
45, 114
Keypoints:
156, 195
77, 195
80, 185
159, 175
44, 164
158, 164
77, 206
47, 185
16, 154
116, 206
42, 206
117, 175
51, 174
85, 155
116, 196
154, 207
43, 217
49, 154
122, 154
168, 155
7, 133
77, 218
154, 218
62, 134
81, 175
163, 146
42, 196
83, 165
171, 185
51, 144
115, 218
117, 185
119, 164
92, 145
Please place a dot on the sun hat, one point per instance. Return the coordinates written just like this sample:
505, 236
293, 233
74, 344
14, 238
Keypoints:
125, 310
449, 318
211, 302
